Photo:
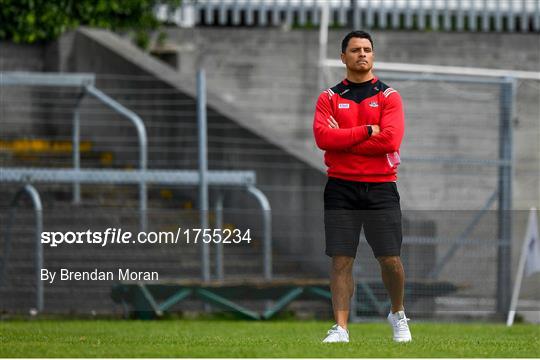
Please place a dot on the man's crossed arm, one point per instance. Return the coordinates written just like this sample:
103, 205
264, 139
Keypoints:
385, 138
376, 144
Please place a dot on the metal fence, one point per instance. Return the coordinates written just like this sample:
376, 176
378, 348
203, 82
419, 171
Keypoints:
451, 219
435, 15
36, 148
477, 255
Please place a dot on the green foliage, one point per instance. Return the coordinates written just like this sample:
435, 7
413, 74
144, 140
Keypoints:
29, 21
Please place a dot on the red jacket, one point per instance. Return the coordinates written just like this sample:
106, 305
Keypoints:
350, 153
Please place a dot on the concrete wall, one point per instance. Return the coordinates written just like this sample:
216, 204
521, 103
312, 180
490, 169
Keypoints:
273, 74
17, 57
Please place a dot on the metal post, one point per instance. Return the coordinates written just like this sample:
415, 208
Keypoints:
537, 16
315, 15
203, 170
447, 23
498, 18
459, 16
323, 41
510, 21
524, 17
38, 260
369, 14
263, 14
289, 14
222, 14
267, 229
507, 98
143, 145
382, 16
408, 15
250, 16
36, 200
444, 259
486, 16
76, 147
219, 245
521, 266
473, 21
434, 22
421, 16
395, 15
276, 20
301, 13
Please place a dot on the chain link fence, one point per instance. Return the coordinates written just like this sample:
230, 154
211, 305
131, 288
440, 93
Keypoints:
449, 184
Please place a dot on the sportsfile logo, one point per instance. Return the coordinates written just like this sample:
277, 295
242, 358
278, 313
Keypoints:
343, 106
119, 236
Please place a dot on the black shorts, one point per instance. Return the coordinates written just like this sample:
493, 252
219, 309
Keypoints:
351, 205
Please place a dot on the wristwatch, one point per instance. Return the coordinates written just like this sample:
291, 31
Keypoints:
369, 130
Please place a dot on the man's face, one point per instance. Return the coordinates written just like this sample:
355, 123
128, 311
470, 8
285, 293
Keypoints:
359, 55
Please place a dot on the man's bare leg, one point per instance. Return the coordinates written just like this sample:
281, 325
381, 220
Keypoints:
393, 278
342, 287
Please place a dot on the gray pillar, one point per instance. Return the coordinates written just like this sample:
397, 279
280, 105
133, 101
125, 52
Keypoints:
219, 246
505, 196
75, 147
354, 16
267, 230
203, 172
38, 250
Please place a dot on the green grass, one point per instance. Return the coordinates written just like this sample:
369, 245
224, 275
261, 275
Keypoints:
219, 338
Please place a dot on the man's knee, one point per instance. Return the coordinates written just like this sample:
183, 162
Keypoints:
342, 264
391, 263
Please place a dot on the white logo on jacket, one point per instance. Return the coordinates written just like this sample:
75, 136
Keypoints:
329, 92
343, 106
388, 92
374, 104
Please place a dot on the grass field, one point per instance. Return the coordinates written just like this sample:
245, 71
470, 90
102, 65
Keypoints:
220, 338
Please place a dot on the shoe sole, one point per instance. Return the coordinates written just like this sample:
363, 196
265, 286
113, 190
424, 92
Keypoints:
402, 340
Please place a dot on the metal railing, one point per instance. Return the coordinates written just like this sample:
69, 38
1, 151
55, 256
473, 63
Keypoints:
95, 176
86, 83
438, 15
503, 192
142, 177
33, 194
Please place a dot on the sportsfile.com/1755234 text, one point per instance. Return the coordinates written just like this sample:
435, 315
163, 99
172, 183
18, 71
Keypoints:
119, 236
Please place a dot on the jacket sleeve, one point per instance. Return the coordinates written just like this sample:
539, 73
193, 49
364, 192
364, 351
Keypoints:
334, 139
392, 126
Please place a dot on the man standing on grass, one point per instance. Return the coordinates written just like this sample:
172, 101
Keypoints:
359, 123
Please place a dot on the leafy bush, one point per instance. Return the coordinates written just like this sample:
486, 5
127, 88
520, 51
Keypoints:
29, 21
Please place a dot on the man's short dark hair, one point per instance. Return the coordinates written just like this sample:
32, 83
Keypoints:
355, 34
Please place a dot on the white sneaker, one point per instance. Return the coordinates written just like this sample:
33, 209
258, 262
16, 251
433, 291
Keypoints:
336, 334
400, 326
